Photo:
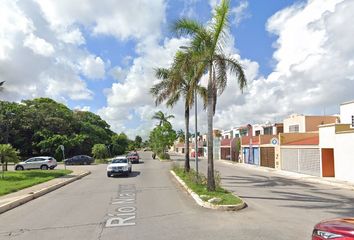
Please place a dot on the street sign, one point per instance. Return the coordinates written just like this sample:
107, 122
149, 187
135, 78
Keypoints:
274, 141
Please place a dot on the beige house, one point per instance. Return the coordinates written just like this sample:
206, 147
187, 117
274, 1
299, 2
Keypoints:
298, 123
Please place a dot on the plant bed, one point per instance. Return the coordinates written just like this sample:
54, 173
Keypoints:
15, 181
197, 187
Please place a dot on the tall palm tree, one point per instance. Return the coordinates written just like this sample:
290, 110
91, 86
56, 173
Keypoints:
180, 80
162, 118
207, 47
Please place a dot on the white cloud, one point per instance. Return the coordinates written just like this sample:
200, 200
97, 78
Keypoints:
72, 36
312, 74
122, 19
93, 67
239, 12
38, 45
131, 95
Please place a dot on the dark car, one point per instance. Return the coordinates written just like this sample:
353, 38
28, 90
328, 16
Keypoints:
337, 229
80, 159
133, 157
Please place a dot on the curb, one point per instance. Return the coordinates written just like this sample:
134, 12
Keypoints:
34, 195
293, 176
204, 204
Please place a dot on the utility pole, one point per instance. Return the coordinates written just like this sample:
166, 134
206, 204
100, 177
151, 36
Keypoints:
196, 132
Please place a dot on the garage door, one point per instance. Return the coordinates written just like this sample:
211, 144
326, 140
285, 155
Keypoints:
267, 157
301, 160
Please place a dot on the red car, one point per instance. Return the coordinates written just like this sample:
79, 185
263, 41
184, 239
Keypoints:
193, 154
337, 229
133, 157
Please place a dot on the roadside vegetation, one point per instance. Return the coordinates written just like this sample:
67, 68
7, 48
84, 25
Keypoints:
199, 185
14, 181
162, 136
40, 126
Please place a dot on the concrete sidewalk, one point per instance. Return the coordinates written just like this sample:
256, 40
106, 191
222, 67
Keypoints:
296, 176
20, 197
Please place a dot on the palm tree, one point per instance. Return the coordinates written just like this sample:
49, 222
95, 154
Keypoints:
7, 154
162, 118
180, 135
207, 48
181, 80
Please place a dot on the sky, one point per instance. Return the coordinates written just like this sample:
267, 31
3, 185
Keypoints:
100, 56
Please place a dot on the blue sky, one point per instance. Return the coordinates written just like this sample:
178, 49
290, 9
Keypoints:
101, 57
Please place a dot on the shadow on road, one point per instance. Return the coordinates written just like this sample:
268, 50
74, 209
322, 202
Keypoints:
285, 192
131, 175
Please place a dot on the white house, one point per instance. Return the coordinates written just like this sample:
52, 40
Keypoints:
337, 145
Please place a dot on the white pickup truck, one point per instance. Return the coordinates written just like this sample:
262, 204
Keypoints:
119, 166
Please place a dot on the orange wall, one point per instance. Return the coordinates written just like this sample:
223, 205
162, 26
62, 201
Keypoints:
312, 122
292, 137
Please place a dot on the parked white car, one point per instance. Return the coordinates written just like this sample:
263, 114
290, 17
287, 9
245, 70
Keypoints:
43, 163
119, 166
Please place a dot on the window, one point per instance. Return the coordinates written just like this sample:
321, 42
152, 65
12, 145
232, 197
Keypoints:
258, 132
268, 131
294, 128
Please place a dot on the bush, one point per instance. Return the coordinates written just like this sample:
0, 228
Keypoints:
164, 156
99, 151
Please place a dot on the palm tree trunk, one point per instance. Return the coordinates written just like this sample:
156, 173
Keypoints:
211, 180
186, 142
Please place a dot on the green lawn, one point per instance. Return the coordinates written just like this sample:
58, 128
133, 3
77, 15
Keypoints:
18, 180
200, 187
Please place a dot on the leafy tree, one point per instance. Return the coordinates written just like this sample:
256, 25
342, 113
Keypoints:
99, 151
120, 143
138, 141
40, 125
7, 154
161, 138
207, 46
161, 117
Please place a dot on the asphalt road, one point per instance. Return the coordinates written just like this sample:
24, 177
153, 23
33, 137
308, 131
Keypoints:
150, 205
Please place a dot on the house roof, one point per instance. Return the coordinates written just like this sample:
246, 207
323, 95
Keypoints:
307, 141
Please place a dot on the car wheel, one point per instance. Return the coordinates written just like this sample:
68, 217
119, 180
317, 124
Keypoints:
108, 175
44, 167
19, 168
130, 170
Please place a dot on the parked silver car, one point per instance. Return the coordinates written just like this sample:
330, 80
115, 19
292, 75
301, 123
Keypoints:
43, 163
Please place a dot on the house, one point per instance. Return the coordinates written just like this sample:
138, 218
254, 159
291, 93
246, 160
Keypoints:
337, 145
300, 152
258, 146
298, 123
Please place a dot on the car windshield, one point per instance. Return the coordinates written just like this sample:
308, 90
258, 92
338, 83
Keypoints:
120, 161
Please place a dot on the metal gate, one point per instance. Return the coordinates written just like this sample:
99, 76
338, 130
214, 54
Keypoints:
251, 157
301, 160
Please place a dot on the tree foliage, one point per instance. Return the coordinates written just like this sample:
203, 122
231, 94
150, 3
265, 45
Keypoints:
162, 137
7, 154
99, 151
39, 126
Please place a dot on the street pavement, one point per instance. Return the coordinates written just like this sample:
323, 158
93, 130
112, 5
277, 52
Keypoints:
150, 205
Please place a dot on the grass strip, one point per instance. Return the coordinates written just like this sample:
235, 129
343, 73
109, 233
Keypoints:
15, 181
199, 186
